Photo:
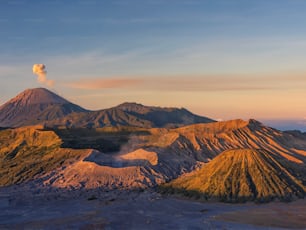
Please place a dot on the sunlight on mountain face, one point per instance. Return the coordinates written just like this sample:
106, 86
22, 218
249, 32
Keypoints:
134, 146
154, 114
241, 175
137, 157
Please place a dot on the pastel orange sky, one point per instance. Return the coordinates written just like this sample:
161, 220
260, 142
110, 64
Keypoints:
221, 59
219, 96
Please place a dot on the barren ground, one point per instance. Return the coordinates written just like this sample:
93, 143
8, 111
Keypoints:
29, 208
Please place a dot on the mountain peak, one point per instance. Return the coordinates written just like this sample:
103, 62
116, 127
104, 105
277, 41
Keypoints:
36, 96
254, 124
139, 108
130, 105
35, 106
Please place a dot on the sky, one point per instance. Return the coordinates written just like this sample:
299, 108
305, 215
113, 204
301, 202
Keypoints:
224, 59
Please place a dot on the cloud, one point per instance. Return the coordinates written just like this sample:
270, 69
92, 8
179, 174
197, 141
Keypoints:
171, 83
109, 83
40, 71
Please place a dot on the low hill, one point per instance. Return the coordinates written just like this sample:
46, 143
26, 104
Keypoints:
240, 175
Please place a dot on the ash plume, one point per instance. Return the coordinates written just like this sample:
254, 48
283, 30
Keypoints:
40, 71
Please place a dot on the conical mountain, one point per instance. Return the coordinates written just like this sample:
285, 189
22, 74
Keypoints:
34, 106
240, 175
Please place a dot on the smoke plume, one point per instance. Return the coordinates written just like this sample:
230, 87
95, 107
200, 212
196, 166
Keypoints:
40, 71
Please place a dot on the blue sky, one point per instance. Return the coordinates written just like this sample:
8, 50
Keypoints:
220, 58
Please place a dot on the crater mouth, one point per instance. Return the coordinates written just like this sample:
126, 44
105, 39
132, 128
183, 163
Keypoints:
138, 158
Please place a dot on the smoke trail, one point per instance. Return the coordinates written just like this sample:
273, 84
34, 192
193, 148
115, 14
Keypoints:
40, 71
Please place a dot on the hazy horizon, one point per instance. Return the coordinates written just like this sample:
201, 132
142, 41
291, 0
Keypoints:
220, 59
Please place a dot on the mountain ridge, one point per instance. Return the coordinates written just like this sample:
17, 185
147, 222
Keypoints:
41, 106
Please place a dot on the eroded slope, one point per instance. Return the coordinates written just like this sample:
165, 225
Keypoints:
28, 152
130, 157
240, 175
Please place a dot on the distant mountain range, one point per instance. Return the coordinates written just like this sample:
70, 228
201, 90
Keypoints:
41, 106
297, 124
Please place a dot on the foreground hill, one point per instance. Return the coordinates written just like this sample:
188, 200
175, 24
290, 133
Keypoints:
41, 106
33, 106
241, 175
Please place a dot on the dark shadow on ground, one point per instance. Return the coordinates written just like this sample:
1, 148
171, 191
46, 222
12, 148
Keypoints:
99, 139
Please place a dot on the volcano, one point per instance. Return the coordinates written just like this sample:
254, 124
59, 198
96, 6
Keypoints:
33, 106
240, 175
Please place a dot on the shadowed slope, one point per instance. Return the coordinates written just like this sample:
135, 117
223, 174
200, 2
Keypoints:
164, 117
33, 106
240, 175
27, 152
131, 114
